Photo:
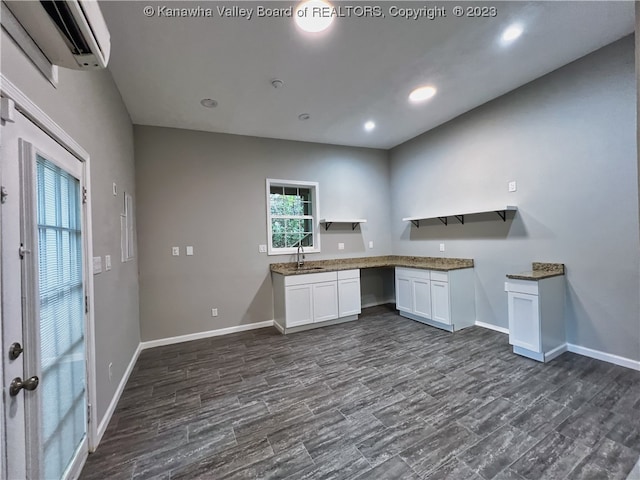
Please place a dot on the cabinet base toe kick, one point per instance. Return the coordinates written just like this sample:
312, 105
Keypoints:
302, 328
433, 323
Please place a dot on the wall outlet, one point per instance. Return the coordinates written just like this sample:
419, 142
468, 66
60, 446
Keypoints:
442, 247
262, 248
110, 371
370, 243
189, 250
107, 262
175, 251
513, 186
340, 246
214, 312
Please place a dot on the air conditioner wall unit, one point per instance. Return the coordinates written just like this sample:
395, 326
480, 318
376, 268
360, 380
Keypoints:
70, 33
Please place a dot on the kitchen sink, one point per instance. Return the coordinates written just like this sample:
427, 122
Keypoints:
308, 269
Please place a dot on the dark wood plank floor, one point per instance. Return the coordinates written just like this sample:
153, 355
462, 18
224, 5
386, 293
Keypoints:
379, 398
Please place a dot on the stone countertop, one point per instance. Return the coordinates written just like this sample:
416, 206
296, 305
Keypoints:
319, 266
539, 271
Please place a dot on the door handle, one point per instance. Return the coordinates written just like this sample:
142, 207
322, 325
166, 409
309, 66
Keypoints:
18, 384
15, 350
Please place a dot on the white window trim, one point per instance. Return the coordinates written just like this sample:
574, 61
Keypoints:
315, 195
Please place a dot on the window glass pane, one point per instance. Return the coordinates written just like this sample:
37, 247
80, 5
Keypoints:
291, 191
277, 230
276, 203
307, 208
62, 356
274, 189
305, 194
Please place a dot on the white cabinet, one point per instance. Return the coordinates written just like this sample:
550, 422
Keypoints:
440, 302
536, 317
349, 293
315, 298
524, 321
441, 299
404, 293
325, 301
421, 296
299, 305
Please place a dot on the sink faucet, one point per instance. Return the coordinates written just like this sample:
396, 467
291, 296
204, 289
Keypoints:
299, 258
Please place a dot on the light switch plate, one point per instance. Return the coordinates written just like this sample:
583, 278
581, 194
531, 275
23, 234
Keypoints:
340, 246
115, 189
442, 247
370, 243
175, 251
513, 186
262, 248
189, 250
107, 262
97, 265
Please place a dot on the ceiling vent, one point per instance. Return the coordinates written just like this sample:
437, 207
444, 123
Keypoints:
70, 33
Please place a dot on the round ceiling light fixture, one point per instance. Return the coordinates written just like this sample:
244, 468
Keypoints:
304, 116
422, 94
208, 102
314, 16
370, 125
511, 33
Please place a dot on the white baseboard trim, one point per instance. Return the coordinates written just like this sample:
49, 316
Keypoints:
492, 327
279, 327
104, 423
607, 357
556, 352
210, 333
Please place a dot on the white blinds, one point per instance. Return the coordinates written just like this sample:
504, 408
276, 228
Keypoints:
62, 387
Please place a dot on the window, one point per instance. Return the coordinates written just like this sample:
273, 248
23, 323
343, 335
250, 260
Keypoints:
292, 216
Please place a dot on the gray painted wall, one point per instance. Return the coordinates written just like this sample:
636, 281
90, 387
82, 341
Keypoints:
208, 190
88, 106
569, 140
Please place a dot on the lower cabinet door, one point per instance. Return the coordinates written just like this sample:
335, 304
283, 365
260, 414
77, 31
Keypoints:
421, 297
404, 301
440, 307
299, 305
325, 301
524, 321
349, 297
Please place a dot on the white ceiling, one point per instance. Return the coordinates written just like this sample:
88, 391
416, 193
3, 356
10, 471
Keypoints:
360, 69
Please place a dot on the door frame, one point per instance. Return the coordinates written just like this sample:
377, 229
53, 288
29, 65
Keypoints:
35, 114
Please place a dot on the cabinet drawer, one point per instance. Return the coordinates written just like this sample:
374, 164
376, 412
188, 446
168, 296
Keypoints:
439, 276
346, 274
414, 273
522, 286
310, 278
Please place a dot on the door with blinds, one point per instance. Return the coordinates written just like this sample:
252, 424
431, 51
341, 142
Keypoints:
43, 306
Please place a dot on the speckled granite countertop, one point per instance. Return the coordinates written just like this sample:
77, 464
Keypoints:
540, 271
318, 266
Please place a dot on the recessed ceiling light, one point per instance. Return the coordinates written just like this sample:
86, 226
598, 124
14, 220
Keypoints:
421, 94
369, 126
304, 116
277, 83
511, 33
314, 16
208, 102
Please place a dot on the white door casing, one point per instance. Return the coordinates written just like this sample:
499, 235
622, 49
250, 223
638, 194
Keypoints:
36, 121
